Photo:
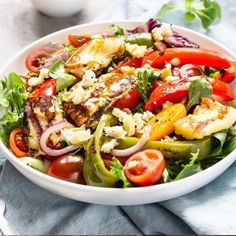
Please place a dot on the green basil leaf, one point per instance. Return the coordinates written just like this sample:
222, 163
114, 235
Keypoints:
189, 16
197, 89
167, 9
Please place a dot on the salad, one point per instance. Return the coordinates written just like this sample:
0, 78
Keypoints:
135, 107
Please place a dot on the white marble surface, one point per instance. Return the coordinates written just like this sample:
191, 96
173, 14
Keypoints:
21, 23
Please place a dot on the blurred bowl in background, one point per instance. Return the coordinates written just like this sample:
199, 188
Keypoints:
59, 8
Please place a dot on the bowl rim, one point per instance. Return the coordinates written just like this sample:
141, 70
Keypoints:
94, 189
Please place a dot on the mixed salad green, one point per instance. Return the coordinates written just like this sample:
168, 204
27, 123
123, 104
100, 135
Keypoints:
135, 107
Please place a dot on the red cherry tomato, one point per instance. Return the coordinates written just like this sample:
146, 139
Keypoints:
68, 168
48, 88
78, 40
45, 56
17, 142
145, 168
130, 100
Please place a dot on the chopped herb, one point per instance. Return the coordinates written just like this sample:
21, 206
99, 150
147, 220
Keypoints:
117, 30
146, 76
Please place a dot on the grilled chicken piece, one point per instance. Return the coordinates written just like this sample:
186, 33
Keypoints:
86, 106
42, 113
94, 55
207, 118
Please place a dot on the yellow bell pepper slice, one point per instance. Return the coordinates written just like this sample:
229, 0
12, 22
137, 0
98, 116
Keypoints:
163, 123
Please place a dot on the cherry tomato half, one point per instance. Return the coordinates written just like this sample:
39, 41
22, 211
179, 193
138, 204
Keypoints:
45, 56
130, 100
48, 88
17, 142
68, 168
145, 168
78, 40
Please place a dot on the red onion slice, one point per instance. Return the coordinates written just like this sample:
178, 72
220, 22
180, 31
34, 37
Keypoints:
136, 147
185, 70
44, 137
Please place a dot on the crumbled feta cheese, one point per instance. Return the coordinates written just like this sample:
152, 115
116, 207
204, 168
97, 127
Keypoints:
115, 87
34, 81
115, 132
88, 79
124, 81
157, 34
132, 123
126, 119
147, 116
135, 50
160, 46
127, 70
108, 146
76, 136
175, 61
139, 122
79, 95
171, 78
166, 30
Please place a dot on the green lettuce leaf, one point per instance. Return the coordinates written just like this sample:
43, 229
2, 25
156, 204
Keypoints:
12, 104
118, 170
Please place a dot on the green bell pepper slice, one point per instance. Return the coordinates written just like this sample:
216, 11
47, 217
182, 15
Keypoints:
94, 170
64, 80
143, 39
174, 150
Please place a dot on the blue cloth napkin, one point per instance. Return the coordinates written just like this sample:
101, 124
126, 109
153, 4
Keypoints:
210, 210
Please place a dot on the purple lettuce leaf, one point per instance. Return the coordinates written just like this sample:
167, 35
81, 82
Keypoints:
136, 30
178, 41
152, 23
173, 41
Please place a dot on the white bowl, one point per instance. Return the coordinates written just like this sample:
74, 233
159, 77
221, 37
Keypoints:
113, 196
59, 8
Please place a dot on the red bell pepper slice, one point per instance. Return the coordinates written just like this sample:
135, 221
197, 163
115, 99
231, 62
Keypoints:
229, 73
170, 91
149, 59
177, 90
222, 90
193, 56
198, 57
